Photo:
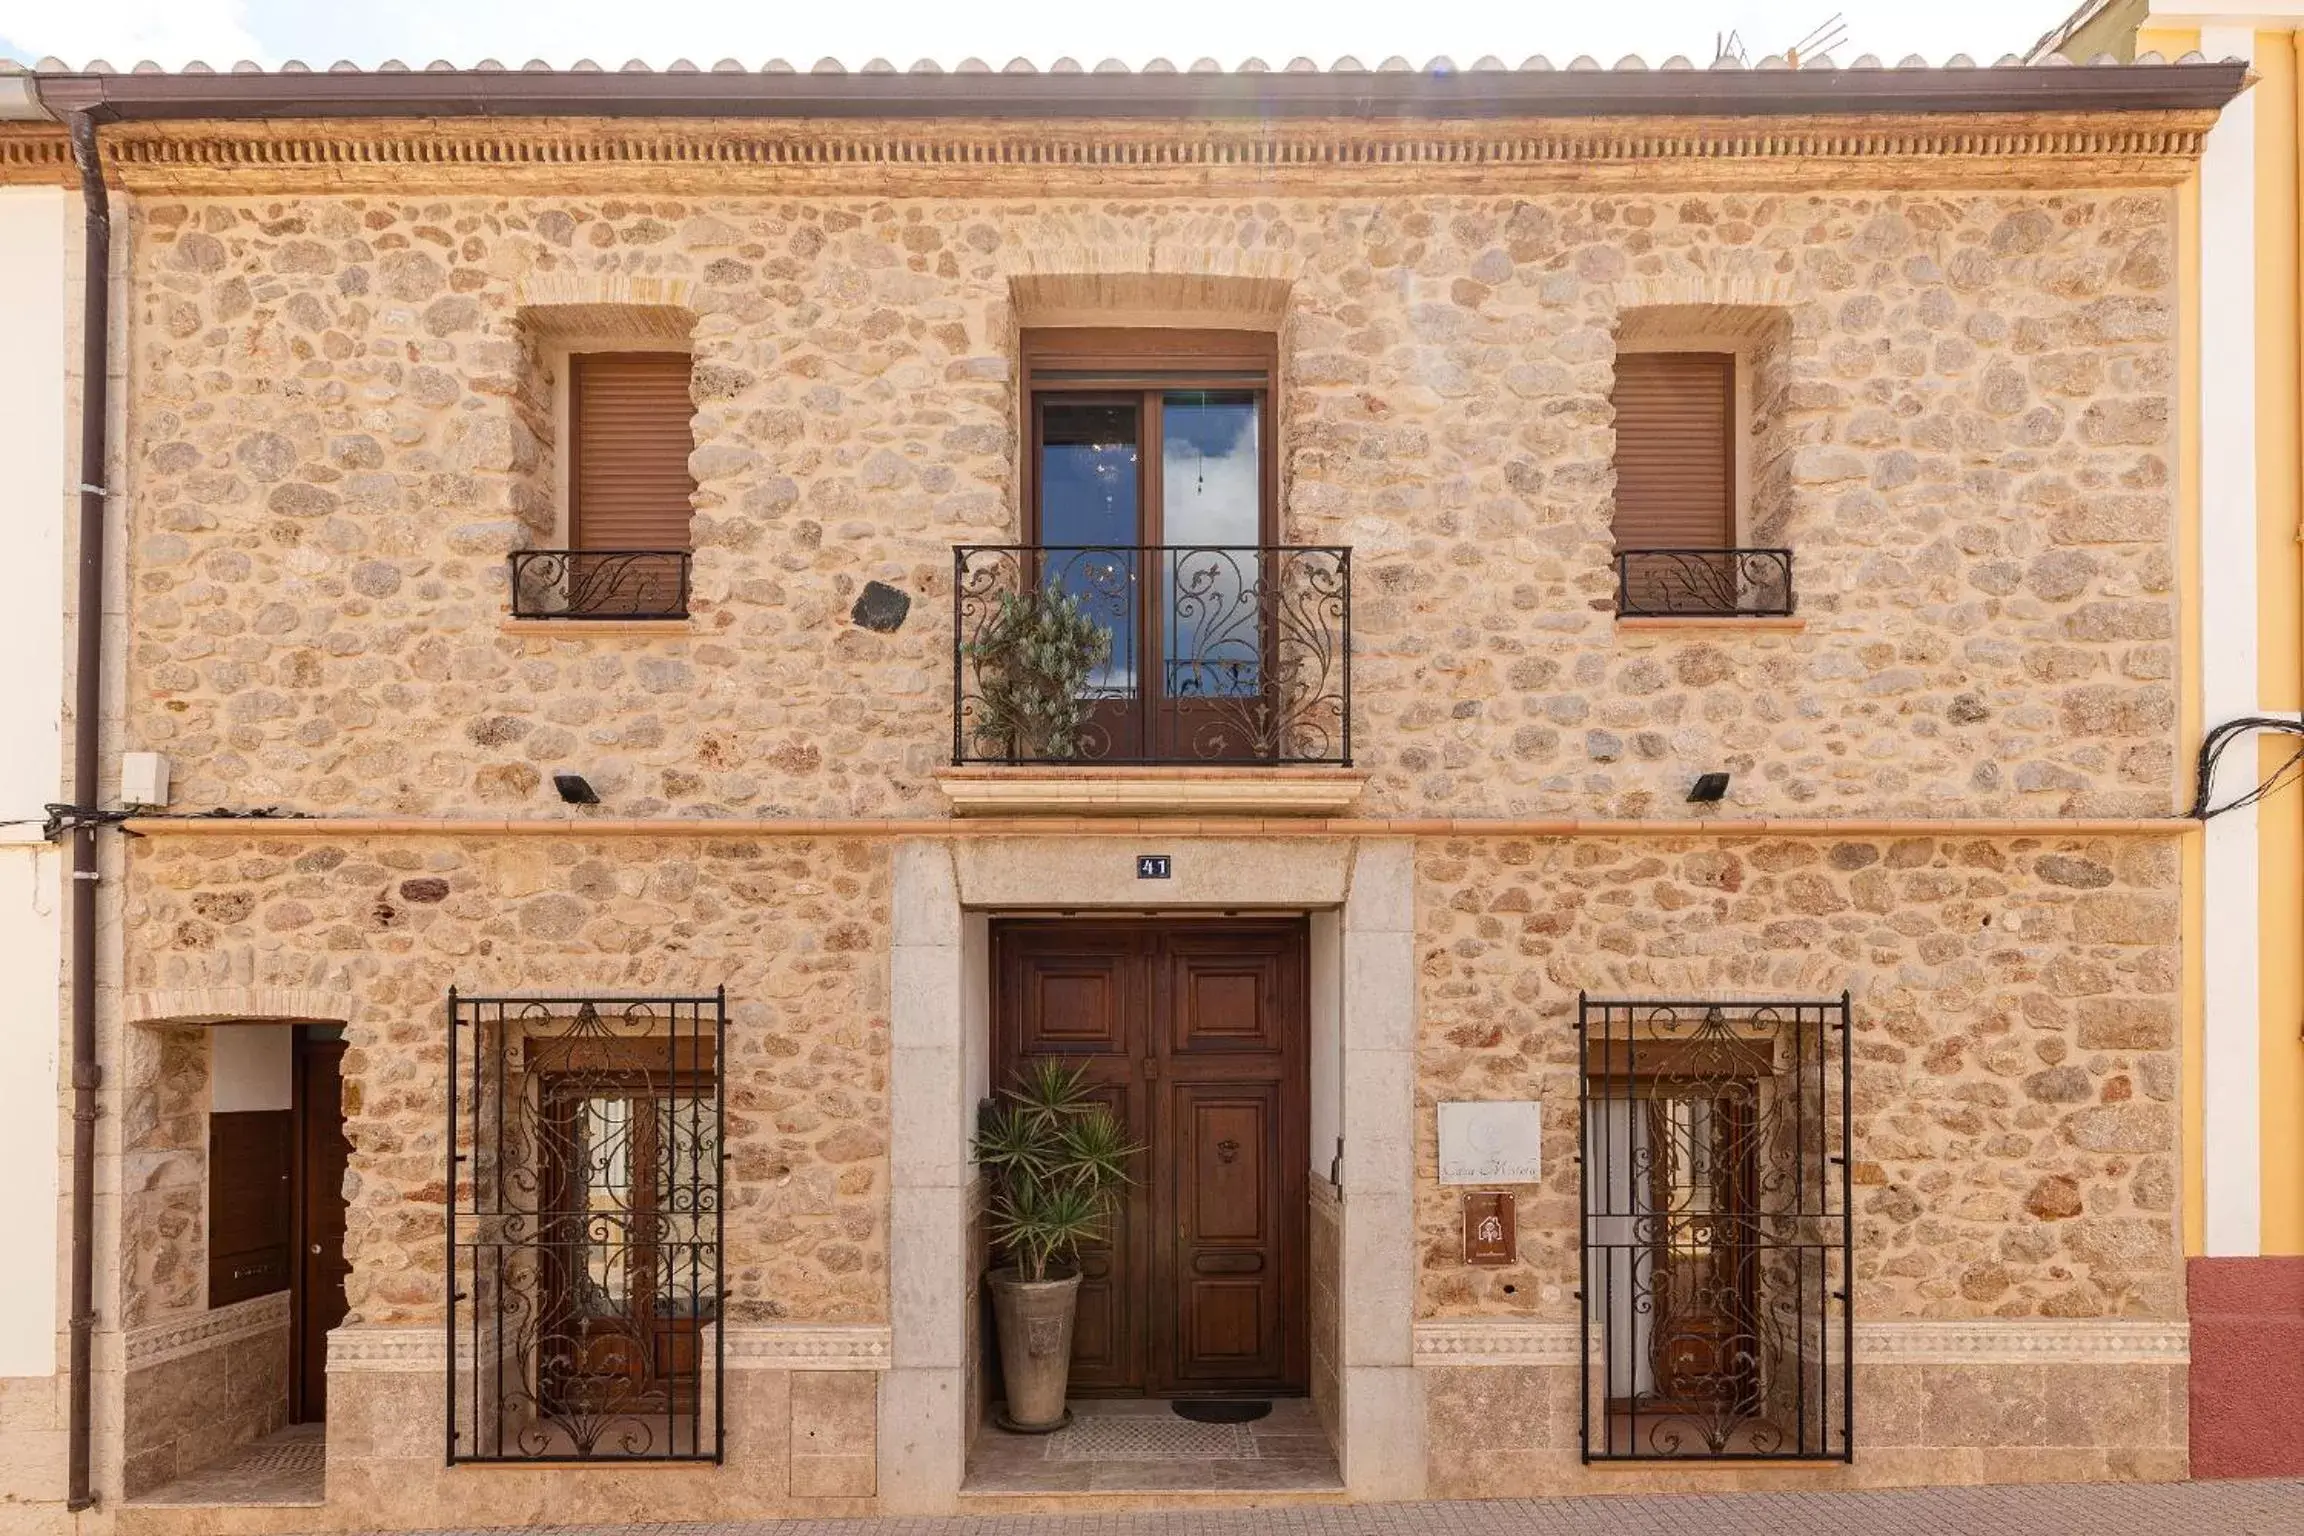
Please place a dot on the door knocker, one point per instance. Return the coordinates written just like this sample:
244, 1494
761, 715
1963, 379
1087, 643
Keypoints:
1227, 1150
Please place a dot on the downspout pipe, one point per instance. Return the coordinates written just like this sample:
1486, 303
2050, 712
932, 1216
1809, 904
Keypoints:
87, 760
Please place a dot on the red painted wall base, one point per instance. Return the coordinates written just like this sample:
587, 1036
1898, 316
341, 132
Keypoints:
2247, 1367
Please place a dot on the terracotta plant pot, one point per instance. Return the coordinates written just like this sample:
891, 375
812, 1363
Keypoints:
1034, 1319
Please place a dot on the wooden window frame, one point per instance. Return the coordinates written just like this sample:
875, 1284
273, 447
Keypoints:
1117, 365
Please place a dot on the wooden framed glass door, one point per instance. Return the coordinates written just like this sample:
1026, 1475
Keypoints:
629, 1279
1151, 493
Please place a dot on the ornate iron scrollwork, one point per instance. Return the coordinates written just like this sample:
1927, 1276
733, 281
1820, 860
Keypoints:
600, 584
584, 1228
1703, 583
1717, 1245
1219, 654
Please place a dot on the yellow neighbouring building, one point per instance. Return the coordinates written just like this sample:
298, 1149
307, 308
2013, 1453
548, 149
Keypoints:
2242, 357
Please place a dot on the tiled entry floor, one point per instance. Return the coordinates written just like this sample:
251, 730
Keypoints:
1143, 1447
285, 1467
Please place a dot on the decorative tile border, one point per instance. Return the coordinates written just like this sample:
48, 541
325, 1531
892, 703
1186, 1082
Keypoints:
158, 1343
2056, 1341
400, 1350
812, 1347
1503, 1341
801, 1347
1984, 1341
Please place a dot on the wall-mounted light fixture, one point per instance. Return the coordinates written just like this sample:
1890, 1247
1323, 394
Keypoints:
1708, 789
575, 789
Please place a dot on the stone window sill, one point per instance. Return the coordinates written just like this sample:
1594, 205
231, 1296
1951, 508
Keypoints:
1044, 790
575, 629
1791, 624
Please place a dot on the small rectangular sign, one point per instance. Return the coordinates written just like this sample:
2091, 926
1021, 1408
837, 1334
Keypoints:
1152, 866
1490, 1231
1492, 1142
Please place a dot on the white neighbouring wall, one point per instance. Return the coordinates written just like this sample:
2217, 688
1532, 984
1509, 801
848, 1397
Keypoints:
2232, 1144
34, 328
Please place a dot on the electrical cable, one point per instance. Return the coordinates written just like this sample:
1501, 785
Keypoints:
2212, 749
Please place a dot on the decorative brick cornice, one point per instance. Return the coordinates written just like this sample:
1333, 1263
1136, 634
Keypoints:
1983, 1341
965, 158
178, 1337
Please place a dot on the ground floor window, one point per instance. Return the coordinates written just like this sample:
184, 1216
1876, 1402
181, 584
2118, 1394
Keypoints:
584, 1228
1716, 1231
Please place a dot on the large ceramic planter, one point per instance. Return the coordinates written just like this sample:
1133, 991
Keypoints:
1034, 1319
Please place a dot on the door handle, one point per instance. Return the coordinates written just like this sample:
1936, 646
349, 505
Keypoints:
315, 1250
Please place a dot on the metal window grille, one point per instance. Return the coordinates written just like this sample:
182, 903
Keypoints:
584, 1228
1717, 1241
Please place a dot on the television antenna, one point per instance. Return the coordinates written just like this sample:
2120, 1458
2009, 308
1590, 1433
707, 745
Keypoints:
1822, 38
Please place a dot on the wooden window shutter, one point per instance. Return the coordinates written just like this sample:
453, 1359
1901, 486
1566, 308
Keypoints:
629, 415
1675, 461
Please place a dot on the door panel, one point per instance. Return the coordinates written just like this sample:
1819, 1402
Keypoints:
1194, 1033
1073, 996
323, 1152
1229, 1243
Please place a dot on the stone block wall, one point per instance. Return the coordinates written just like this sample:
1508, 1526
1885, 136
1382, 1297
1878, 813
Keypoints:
798, 1442
1509, 1431
338, 428
1324, 1313
201, 1386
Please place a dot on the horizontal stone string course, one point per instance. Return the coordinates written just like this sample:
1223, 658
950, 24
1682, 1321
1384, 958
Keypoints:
1134, 826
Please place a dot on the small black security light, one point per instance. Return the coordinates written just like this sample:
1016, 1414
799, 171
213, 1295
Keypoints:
1708, 789
574, 789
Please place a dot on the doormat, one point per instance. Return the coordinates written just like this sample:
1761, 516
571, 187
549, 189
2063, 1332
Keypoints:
1149, 1437
1218, 1410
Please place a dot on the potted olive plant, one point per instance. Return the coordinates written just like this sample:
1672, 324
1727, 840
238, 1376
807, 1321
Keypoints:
1034, 657
1055, 1161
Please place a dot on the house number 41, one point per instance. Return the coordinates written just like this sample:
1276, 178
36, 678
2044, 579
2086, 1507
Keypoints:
1152, 866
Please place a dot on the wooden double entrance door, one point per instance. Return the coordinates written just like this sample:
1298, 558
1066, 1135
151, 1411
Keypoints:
1194, 1033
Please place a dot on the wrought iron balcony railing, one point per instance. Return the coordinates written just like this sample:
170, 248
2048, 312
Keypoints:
1703, 583
1152, 654
600, 584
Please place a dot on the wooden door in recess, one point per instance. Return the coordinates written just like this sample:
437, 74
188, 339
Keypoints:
1194, 1033
323, 1153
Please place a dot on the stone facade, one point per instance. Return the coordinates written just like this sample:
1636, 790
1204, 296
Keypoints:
341, 419
2015, 1007
793, 928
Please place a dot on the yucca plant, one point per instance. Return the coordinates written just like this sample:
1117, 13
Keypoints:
1033, 659
1056, 1161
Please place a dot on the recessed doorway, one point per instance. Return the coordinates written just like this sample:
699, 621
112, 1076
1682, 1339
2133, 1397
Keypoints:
1194, 1031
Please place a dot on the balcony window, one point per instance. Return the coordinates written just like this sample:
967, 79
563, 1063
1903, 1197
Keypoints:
1151, 515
